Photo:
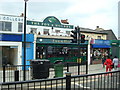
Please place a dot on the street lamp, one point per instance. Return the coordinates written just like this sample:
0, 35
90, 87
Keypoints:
24, 72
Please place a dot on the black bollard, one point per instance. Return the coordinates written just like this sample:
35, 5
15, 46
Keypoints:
68, 80
16, 75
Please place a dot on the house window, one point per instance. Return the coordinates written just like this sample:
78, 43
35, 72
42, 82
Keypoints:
5, 26
1, 26
33, 30
46, 31
99, 37
20, 27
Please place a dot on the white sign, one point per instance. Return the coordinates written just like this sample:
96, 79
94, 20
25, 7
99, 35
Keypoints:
11, 18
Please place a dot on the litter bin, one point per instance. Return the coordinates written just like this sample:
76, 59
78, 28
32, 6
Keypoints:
58, 68
40, 69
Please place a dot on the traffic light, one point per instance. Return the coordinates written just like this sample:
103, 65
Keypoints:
82, 38
74, 35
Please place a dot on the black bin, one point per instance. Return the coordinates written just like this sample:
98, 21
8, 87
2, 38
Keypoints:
40, 69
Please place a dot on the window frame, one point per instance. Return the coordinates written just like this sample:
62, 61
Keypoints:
20, 27
4, 28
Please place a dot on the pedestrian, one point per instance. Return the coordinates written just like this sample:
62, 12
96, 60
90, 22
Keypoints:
108, 63
115, 62
119, 65
103, 60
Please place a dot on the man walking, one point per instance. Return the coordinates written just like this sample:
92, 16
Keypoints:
115, 62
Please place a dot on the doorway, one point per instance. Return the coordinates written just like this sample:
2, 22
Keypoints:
9, 55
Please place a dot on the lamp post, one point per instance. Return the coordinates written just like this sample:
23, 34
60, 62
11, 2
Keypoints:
24, 72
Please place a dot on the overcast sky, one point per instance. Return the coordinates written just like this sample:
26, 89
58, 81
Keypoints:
85, 13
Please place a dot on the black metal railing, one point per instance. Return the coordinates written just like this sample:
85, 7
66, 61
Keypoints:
98, 81
15, 72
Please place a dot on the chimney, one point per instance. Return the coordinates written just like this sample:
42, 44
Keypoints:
97, 27
22, 15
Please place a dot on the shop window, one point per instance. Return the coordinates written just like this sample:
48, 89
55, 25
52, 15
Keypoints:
99, 53
5, 26
20, 27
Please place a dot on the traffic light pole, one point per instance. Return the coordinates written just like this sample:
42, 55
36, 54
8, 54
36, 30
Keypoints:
79, 53
79, 40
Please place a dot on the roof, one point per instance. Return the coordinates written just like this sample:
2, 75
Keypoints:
87, 30
111, 35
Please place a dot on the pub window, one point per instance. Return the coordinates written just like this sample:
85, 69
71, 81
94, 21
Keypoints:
57, 31
33, 30
5, 26
68, 32
20, 27
46, 31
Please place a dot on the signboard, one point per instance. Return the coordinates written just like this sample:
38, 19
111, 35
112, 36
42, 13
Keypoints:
11, 18
57, 41
36, 23
101, 42
10, 37
50, 21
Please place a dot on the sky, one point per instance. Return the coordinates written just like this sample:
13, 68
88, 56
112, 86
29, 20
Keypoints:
83, 13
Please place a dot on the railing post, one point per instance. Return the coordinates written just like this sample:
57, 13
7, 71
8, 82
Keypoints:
119, 79
86, 67
78, 68
68, 80
3, 73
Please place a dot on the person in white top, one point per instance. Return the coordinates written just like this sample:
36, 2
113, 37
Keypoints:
115, 62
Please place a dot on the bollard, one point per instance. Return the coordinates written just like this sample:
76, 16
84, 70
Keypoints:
78, 68
3, 73
68, 80
16, 75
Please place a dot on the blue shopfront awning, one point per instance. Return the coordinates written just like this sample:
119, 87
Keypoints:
101, 46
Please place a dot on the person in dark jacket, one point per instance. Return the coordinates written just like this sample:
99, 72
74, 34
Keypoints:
103, 60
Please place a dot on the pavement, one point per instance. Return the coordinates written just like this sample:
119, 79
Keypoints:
96, 68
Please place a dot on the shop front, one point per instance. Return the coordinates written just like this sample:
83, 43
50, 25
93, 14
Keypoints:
59, 49
114, 48
10, 49
99, 49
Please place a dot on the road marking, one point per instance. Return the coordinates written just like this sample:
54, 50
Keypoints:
48, 86
77, 83
80, 85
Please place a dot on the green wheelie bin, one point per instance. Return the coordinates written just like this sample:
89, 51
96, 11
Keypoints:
58, 68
